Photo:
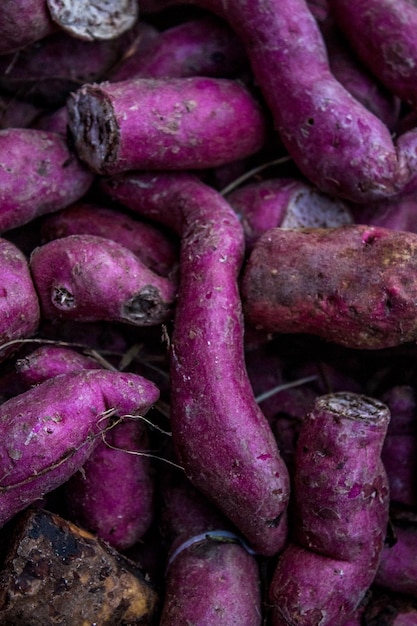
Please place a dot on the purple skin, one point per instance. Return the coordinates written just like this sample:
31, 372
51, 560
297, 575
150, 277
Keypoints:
352, 74
89, 278
210, 583
398, 213
19, 304
399, 453
48, 432
46, 72
341, 502
24, 22
397, 569
179, 123
53, 176
382, 33
323, 281
288, 203
148, 242
222, 440
49, 361
340, 146
113, 494
200, 47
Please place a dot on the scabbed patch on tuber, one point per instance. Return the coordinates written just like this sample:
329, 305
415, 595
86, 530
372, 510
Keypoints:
353, 285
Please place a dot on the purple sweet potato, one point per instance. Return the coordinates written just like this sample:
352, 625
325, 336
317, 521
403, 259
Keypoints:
341, 501
26, 21
355, 77
222, 440
113, 493
288, 203
15, 113
382, 34
397, 213
203, 46
178, 123
90, 278
353, 285
19, 304
53, 176
149, 242
48, 361
339, 145
48, 70
211, 579
48, 432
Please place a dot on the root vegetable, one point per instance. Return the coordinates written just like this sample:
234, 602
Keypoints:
222, 440
353, 285
341, 500
183, 123
151, 244
53, 176
48, 432
19, 303
91, 278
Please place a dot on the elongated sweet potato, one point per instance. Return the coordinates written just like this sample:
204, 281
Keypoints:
341, 501
89, 278
48, 432
382, 34
178, 123
353, 285
222, 440
53, 176
338, 144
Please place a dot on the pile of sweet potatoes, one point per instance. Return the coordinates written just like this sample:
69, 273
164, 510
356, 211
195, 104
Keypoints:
208, 312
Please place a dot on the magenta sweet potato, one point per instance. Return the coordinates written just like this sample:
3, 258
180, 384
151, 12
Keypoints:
222, 439
19, 303
382, 34
178, 123
113, 493
48, 432
89, 278
157, 248
338, 144
353, 285
204, 46
48, 361
39, 174
211, 579
341, 500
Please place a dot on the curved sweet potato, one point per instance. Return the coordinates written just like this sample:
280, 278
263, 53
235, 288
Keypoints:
48, 432
223, 440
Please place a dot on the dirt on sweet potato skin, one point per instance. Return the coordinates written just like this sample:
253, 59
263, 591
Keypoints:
353, 285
